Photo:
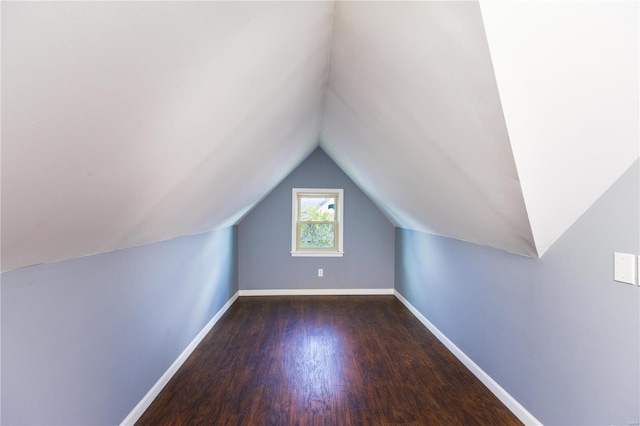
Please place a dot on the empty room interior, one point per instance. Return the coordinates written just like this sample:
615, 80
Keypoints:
320, 212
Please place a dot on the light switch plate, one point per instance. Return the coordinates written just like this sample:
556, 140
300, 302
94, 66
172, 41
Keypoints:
624, 268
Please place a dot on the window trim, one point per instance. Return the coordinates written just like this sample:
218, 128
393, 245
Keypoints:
320, 252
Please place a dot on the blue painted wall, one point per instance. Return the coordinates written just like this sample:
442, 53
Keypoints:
264, 238
84, 340
557, 332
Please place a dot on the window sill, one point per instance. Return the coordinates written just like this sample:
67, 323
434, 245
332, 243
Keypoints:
317, 253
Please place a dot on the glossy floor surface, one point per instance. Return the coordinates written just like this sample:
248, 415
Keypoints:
323, 360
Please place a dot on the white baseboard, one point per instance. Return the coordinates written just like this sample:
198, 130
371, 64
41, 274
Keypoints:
319, 292
146, 401
510, 402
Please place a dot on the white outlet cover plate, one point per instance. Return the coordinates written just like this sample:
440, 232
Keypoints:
624, 268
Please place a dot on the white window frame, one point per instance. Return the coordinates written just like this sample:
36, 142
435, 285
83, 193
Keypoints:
336, 252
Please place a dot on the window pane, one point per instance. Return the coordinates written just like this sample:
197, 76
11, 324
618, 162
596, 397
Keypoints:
317, 235
317, 208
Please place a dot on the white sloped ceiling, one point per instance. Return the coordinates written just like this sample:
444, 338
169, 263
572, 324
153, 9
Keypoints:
414, 117
125, 123
567, 74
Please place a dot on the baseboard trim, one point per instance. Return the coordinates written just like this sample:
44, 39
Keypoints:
319, 292
509, 401
146, 401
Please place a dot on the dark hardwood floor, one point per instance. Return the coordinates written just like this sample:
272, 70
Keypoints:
323, 360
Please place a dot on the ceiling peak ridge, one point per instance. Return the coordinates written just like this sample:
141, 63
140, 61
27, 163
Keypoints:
327, 70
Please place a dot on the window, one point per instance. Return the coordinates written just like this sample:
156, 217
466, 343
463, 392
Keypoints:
316, 225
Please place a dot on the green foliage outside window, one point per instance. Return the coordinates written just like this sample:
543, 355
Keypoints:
317, 235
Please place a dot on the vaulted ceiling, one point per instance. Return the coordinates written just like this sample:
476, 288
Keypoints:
127, 123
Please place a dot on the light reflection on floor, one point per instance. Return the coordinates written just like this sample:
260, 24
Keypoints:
313, 367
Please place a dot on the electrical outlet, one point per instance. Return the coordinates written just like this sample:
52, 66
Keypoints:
321, 272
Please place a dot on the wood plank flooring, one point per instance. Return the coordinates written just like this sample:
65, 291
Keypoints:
323, 360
